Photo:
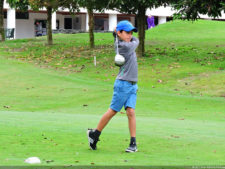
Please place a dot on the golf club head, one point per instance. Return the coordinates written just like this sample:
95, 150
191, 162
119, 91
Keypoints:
119, 60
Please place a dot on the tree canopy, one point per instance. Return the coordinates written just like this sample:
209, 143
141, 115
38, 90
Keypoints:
50, 5
138, 8
189, 9
186, 9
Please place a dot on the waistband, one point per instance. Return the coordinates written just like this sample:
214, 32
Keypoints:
133, 83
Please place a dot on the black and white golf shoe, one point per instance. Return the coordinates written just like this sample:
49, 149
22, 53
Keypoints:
92, 140
132, 149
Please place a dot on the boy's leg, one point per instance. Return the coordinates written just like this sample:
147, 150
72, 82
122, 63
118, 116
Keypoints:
105, 119
93, 135
131, 121
117, 103
132, 127
130, 110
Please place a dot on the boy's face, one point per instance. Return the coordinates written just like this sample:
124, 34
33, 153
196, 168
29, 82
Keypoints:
125, 36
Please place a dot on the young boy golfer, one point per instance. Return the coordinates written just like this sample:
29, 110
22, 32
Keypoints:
125, 87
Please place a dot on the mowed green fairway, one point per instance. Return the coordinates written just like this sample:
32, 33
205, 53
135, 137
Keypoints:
49, 96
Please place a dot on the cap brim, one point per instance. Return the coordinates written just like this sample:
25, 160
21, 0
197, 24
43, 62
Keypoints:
135, 30
131, 29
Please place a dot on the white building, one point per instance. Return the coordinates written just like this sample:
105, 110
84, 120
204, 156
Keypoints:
28, 24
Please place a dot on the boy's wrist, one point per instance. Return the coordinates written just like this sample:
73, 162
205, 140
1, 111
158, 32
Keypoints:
114, 34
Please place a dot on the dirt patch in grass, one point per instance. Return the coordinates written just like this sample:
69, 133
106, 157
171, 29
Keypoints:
211, 83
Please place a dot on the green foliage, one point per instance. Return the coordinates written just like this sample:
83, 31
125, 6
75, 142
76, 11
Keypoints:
54, 4
133, 7
190, 9
19, 4
139, 8
94, 4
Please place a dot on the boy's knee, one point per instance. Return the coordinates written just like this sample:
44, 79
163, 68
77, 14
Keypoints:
130, 112
111, 112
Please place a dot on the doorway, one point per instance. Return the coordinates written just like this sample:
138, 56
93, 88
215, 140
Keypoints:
40, 27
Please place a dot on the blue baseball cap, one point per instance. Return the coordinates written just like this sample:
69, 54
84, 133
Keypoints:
125, 26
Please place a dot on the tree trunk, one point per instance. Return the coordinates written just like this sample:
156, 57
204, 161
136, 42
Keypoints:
91, 28
141, 21
2, 32
49, 22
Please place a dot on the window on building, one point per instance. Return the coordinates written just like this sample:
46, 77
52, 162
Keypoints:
22, 15
101, 23
169, 19
5, 14
156, 20
68, 23
57, 24
40, 27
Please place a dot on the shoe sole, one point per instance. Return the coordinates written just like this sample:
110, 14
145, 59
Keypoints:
89, 139
129, 151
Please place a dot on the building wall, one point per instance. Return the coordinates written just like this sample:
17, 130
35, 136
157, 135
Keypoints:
83, 22
60, 17
25, 28
5, 23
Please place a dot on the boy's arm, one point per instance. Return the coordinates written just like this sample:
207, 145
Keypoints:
126, 48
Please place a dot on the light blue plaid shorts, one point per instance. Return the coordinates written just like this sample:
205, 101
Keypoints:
124, 94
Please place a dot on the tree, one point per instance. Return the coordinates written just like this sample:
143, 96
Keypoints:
190, 9
50, 5
2, 32
138, 8
91, 6
36, 5
21, 4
